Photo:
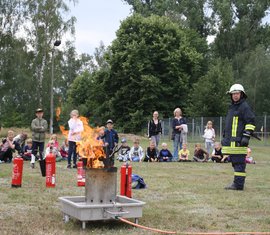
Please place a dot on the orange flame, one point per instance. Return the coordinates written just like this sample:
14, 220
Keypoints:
64, 132
90, 146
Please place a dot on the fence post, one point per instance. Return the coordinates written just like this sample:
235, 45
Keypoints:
163, 130
202, 129
193, 128
264, 129
220, 129
169, 129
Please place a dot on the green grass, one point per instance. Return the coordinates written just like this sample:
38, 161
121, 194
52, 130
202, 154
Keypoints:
183, 197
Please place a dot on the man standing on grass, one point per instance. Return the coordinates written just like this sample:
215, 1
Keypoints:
239, 126
39, 127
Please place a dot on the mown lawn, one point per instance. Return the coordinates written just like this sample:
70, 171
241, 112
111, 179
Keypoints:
182, 197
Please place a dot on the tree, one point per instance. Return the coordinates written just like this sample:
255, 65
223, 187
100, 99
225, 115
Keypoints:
239, 26
14, 63
46, 25
87, 91
25, 61
68, 66
190, 13
151, 64
11, 16
15, 82
208, 97
256, 80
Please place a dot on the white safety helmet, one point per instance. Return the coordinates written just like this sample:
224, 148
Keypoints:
237, 88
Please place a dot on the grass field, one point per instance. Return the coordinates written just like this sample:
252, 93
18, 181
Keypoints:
181, 197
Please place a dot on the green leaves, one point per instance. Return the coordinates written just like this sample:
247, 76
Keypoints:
208, 96
151, 63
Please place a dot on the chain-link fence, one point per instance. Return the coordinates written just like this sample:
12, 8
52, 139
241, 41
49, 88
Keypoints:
197, 125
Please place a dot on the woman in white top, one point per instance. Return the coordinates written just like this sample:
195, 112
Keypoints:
74, 135
209, 137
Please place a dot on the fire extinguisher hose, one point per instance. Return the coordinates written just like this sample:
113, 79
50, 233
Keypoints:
190, 233
144, 227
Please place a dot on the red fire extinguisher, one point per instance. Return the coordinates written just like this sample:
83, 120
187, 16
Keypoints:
126, 180
17, 172
50, 170
80, 174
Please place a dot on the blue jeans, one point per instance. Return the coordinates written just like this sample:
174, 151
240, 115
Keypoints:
177, 142
155, 139
135, 158
209, 147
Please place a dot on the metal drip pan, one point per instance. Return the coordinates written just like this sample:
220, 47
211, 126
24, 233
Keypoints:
78, 208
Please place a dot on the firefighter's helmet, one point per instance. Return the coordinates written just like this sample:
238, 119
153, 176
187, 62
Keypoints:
237, 88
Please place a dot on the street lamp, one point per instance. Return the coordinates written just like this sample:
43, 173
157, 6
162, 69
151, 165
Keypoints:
56, 44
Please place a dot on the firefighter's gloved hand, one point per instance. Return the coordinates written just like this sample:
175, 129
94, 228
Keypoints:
245, 141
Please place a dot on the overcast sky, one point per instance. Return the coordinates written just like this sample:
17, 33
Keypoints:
97, 20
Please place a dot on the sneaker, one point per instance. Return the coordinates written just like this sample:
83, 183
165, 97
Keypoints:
74, 166
69, 166
32, 165
233, 187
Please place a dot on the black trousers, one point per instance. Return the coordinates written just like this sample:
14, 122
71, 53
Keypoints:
239, 166
6, 156
38, 147
72, 151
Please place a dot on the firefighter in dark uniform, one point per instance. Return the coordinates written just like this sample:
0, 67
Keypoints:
239, 126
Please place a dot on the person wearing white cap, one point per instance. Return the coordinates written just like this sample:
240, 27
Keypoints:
239, 126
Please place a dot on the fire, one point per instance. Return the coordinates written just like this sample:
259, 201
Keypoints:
90, 148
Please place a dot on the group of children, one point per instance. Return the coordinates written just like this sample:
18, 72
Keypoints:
52, 146
152, 154
136, 152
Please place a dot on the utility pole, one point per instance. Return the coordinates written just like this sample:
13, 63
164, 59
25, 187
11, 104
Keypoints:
56, 44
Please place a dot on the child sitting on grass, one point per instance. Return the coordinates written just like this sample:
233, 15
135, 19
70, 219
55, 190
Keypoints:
165, 154
183, 154
28, 153
64, 149
200, 155
217, 155
8, 147
136, 152
124, 151
151, 153
52, 149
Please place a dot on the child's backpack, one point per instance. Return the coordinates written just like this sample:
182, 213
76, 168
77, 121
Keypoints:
137, 182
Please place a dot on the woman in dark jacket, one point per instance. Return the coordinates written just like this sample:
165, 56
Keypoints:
154, 129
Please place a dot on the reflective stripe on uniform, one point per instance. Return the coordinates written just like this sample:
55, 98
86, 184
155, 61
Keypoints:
249, 127
234, 150
243, 174
234, 126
